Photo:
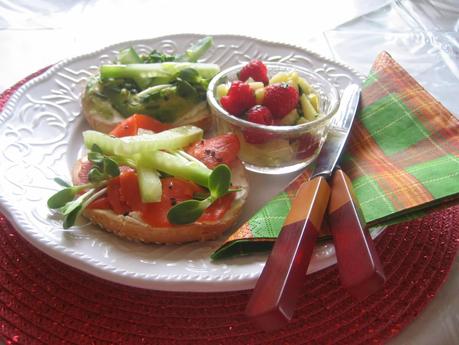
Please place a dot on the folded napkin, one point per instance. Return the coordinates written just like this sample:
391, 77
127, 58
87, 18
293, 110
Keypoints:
402, 158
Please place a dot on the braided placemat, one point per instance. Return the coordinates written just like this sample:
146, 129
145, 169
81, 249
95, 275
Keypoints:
43, 301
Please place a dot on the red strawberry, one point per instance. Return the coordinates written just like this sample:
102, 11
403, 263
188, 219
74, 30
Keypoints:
307, 146
281, 99
240, 97
256, 70
231, 105
262, 115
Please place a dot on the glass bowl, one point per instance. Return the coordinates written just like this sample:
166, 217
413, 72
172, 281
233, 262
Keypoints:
289, 148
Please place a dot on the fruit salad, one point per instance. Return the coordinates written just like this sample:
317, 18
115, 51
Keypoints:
273, 98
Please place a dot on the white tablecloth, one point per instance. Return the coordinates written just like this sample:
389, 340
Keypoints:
421, 35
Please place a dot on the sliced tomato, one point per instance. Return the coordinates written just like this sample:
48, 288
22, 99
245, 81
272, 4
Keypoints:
123, 196
130, 191
216, 150
174, 190
218, 209
101, 203
131, 125
115, 197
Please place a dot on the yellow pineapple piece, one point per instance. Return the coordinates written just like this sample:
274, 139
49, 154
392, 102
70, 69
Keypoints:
314, 99
293, 78
304, 86
255, 85
260, 95
290, 119
309, 112
222, 90
281, 77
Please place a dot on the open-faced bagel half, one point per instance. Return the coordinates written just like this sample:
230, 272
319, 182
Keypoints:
132, 227
103, 117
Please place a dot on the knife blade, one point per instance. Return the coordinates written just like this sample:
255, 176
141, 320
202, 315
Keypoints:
274, 297
338, 134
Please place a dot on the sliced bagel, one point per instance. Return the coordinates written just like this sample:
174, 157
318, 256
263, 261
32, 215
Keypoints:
103, 117
132, 227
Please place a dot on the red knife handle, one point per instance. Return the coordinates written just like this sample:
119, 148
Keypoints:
360, 269
277, 290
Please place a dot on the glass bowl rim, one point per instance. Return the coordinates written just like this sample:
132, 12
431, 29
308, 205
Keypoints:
223, 114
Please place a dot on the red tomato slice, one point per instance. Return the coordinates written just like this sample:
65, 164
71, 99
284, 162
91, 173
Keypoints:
131, 125
130, 190
123, 196
218, 209
101, 203
115, 198
174, 191
216, 150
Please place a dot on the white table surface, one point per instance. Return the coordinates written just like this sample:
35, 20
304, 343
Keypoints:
421, 35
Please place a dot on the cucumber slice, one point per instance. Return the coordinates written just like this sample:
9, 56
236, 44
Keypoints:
177, 166
172, 139
128, 56
149, 184
106, 143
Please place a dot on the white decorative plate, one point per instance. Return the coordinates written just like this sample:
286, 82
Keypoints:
40, 136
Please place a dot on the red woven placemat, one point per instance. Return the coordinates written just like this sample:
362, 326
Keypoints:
43, 301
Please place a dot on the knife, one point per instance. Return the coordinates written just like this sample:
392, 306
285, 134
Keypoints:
273, 300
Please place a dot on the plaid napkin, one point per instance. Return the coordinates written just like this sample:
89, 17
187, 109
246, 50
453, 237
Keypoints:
402, 158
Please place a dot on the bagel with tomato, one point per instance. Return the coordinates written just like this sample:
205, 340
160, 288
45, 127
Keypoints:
139, 190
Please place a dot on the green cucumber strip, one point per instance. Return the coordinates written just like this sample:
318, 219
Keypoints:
166, 71
105, 142
128, 56
175, 166
149, 184
172, 139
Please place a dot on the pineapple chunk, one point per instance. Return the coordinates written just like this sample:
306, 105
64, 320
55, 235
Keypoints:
260, 95
309, 112
304, 86
314, 99
255, 85
281, 77
293, 78
301, 120
290, 78
290, 119
222, 90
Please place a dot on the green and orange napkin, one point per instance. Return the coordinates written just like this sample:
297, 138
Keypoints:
402, 157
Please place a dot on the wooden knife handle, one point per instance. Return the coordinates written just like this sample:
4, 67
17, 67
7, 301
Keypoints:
277, 290
360, 269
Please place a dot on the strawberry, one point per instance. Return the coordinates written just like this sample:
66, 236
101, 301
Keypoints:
261, 115
240, 97
281, 99
307, 146
256, 70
